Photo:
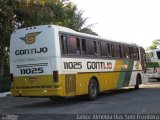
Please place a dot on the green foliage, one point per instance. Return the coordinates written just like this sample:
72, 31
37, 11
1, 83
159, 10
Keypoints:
152, 64
88, 31
32, 13
6, 28
6, 15
67, 15
154, 45
57, 12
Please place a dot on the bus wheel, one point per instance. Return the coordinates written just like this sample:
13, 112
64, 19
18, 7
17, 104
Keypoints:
92, 89
138, 79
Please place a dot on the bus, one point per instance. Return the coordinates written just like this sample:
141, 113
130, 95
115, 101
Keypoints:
153, 64
53, 61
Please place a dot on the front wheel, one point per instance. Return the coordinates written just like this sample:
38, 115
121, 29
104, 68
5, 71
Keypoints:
92, 89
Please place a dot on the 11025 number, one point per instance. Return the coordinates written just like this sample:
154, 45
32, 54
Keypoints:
31, 70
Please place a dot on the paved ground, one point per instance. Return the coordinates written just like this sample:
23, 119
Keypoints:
126, 101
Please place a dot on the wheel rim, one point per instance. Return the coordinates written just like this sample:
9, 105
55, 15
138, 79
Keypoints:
93, 89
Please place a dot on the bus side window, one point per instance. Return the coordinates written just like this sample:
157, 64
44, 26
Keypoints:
126, 52
84, 50
115, 50
72, 45
64, 44
109, 50
78, 50
91, 47
95, 48
121, 51
103, 48
134, 52
112, 50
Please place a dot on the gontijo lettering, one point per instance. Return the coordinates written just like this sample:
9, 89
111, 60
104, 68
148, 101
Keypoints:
31, 51
99, 65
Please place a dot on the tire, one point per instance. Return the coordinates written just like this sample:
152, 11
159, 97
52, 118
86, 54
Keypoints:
92, 89
137, 82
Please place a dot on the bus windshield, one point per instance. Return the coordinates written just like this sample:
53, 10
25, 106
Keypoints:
158, 54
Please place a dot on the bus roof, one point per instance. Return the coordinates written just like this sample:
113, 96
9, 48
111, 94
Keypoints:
71, 31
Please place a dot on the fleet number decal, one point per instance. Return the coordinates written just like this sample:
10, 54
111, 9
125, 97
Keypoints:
72, 65
31, 70
89, 64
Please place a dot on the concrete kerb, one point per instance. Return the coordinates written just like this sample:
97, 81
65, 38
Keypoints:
5, 94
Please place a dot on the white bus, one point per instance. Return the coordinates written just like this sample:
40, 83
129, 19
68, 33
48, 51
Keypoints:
153, 63
49, 60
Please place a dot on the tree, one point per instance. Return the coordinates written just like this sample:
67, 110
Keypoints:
80, 22
6, 27
33, 12
58, 12
67, 15
155, 44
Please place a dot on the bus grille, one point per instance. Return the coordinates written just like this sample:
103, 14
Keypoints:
70, 82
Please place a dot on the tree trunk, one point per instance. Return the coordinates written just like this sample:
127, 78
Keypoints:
2, 62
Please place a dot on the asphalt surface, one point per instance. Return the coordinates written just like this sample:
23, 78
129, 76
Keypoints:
117, 103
